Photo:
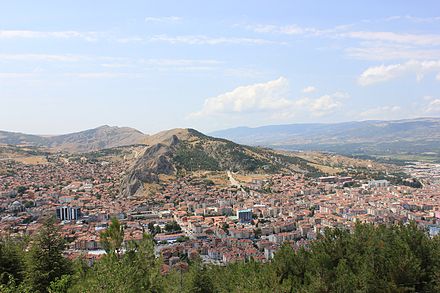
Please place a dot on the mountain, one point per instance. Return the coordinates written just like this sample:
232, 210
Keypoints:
85, 141
179, 151
374, 137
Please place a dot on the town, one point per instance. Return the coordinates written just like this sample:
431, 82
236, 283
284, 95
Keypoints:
221, 217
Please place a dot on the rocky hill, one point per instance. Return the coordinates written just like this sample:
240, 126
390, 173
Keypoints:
179, 151
85, 141
364, 137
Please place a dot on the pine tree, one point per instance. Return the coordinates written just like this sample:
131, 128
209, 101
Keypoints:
112, 238
11, 260
45, 262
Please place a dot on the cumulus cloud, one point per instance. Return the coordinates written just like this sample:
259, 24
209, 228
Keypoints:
270, 99
271, 95
309, 89
383, 73
433, 106
326, 103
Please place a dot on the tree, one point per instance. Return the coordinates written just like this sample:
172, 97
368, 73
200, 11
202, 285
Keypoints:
60, 285
151, 227
21, 189
257, 233
172, 227
225, 227
11, 260
199, 279
45, 261
112, 238
137, 270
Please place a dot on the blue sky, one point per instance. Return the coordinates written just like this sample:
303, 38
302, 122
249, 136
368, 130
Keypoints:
153, 65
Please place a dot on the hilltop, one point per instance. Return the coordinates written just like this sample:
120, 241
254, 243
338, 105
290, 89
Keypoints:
103, 137
179, 151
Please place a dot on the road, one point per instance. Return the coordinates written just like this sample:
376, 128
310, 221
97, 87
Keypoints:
233, 181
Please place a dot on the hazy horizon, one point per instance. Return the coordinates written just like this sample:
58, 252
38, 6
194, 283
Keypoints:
216, 130
67, 67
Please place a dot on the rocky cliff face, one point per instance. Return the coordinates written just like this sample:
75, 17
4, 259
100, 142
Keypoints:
186, 150
157, 159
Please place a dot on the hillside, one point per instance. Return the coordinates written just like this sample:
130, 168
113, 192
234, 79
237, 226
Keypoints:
410, 136
85, 141
185, 150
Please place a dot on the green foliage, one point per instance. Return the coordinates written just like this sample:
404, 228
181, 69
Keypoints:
194, 158
182, 239
112, 237
60, 285
199, 279
21, 189
11, 260
45, 261
368, 259
137, 270
172, 227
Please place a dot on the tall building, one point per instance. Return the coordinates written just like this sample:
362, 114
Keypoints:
244, 216
378, 183
66, 213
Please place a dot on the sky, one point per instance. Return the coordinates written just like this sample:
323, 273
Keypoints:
67, 66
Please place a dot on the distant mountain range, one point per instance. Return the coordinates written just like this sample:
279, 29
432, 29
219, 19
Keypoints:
85, 141
376, 137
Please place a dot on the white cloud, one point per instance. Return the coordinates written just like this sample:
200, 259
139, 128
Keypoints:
286, 30
411, 39
41, 57
294, 29
206, 40
372, 45
425, 106
271, 99
18, 75
324, 104
165, 64
163, 19
433, 106
309, 89
414, 19
28, 34
383, 73
271, 95
380, 52
129, 40
102, 75
382, 112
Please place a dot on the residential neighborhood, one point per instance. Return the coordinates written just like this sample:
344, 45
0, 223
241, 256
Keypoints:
189, 217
